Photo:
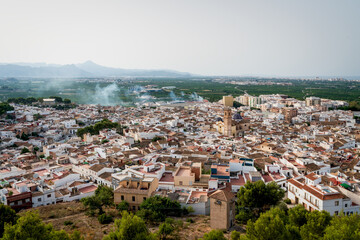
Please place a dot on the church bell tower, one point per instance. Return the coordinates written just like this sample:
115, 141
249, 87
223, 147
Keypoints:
227, 122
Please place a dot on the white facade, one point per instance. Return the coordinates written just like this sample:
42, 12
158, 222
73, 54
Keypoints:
318, 197
45, 196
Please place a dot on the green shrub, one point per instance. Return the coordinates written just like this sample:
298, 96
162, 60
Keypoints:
243, 216
156, 209
105, 219
122, 206
68, 222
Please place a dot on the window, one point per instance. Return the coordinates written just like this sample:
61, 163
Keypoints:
180, 183
20, 202
336, 203
39, 199
27, 200
133, 208
336, 213
49, 195
122, 197
138, 207
144, 198
12, 204
133, 198
346, 205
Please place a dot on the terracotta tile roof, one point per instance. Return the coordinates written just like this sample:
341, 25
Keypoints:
223, 195
87, 189
312, 176
97, 167
316, 192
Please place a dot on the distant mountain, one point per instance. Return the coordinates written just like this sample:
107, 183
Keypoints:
12, 70
86, 69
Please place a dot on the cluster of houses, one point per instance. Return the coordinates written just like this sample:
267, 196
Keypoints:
198, 153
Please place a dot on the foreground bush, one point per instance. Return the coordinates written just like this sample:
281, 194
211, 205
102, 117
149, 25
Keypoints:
130, 227
105, 219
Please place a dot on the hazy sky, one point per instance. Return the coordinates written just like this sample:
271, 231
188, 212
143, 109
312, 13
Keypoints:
223, 37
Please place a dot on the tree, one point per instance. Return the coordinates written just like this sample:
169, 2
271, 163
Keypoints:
316, 223
10, 116
76, 235
105, 219
237, 104
156, 138
21, 100
94, 129
256, 197
297, 216
343, 227
25, 150
244, 215
189, 210
157, 208
129, 227
36, 149
37, 116
92, 203
270, 225
104, 196
353, 106
214, 235
30, 226
5, 107
299, 224
123, 206
80, 123
67, 101
259, 195
166, 228
23, 136
235, 235
57, 99
7, 215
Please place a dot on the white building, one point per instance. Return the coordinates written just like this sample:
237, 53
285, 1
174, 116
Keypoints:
307, 191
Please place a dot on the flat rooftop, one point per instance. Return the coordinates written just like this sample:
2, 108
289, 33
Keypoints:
167, 177
184, 172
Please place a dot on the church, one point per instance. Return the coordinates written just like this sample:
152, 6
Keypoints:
232, 125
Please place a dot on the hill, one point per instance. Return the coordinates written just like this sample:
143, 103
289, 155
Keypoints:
72, 215
86, 69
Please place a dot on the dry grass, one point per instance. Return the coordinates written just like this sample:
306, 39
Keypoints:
75, 215
75, 212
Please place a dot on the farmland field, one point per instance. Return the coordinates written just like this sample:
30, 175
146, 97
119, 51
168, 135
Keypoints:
124, 91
